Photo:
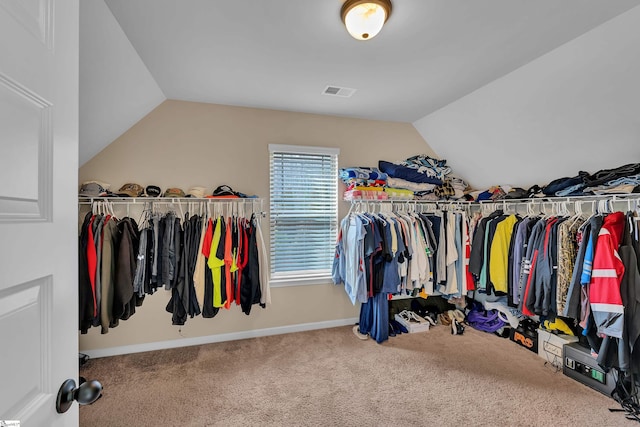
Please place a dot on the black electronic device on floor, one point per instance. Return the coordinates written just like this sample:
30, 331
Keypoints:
580, 365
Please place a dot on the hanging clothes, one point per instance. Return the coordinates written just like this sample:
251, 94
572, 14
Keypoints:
544, 265
108, 271
499, 254
85, 291
399, 253
604, 289
124, 299
183, 300
568, 243
208, 309
630, 291
252, 284
120, 262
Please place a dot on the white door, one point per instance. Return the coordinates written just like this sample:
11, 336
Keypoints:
38, 224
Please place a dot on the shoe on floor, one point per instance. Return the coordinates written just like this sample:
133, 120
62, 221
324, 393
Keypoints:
444, 319
430, 320
457, 328
399, 327
456, 314
408, 316
392, 330
431, 315
356, 332
413, 317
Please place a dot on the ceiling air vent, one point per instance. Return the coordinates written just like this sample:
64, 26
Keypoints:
343, 92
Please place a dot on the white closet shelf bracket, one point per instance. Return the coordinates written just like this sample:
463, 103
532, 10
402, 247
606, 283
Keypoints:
256, 205
554, 204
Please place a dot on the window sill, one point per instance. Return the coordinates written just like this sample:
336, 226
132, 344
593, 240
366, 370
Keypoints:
281, 282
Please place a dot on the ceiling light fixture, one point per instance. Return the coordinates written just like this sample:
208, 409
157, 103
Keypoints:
365, 18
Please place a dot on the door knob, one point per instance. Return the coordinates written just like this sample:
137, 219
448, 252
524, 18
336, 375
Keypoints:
87, 393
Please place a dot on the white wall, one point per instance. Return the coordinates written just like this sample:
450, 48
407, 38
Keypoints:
574, 108
116, 88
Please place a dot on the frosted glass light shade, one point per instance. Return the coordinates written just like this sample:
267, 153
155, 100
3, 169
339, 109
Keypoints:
364, 19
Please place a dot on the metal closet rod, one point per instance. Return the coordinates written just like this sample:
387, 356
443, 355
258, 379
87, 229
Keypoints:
532, 200
566, 199
255, 205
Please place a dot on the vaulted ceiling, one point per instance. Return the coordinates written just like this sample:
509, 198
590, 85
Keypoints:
281, 54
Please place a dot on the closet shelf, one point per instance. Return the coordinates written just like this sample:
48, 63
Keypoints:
631, 197
252, 204
166, 200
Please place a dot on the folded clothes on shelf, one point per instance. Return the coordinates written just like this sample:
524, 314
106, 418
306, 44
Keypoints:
406, 173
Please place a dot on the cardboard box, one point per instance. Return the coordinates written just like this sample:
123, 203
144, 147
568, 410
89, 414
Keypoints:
550, 346
524, 337
422, 326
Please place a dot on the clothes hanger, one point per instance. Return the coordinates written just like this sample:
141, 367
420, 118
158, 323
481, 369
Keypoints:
530, 211
577, 215
101, 208
506, 208
543, 211
181, 211
555, 210
113, 214
636, 220
564, 210
485, 210
143, 220
603, 206
594, 212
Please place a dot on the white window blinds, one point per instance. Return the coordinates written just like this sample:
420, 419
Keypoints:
303, 210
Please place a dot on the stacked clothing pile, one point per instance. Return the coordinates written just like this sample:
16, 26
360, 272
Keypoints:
499, 192
417, 178
364, 183
621, 180
427, 178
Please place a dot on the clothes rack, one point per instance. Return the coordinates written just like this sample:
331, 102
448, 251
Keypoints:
441, 224
250, 205
208, 252
593, 203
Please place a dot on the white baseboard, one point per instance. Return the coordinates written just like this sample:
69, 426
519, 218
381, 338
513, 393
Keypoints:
185, 342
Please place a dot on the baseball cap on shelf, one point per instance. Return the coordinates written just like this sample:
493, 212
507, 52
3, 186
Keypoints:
94, 189
517, 193
199, 192
131, 190
152, 191
224, 191
173, 192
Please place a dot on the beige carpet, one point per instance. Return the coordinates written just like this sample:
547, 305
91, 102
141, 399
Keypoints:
330, 378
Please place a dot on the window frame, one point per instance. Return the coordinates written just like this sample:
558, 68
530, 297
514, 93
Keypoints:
300, 277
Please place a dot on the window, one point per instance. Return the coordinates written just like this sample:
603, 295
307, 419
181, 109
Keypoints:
303, 212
